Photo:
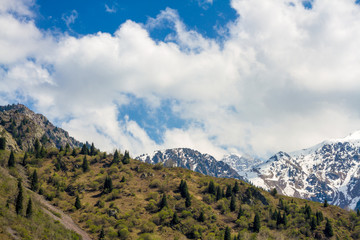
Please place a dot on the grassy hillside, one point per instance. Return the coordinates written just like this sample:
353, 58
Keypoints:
142, 201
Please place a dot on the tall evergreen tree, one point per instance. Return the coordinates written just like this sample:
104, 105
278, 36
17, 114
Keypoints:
256, 224
218, 193
163, 202
77, 203
19, 199
313, 224
227, 235
201, 217
236, 188
175, 219
108, 187
85, 164
116, 158
24, 160
29, 209
232, 203
67, 148
102, 234
84, 149
326, 204
328, 231
11, 161
37, 146
228, 191
188, 201
74, 154
34, 181
211, 187
2, 143
126, 158
92, 150
240, 213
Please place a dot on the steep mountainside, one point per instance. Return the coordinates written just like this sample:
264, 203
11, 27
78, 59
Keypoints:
193, 160
329, 170
25, 127
241, 163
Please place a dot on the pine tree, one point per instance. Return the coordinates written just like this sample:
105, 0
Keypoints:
126, 158
328, 231
256, 225
11, 162
228, 191
37, 146
19, 199
218, 193
77, 203
201, 217
175, 219
34, 184
319, 217
211, 187
74, 153
67, 148
240, 213
273, 192
326, 204
188, 201
102, 234
2, 143
84, 149
236, 188
313, 224
227, 235
24, 162
85, 164
284, 219
29, 209
116, 158
183, 189
92, 150
232, 203
163, 202
108, 187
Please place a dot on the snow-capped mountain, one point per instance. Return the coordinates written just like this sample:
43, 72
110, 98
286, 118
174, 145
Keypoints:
329, 170
241, 163
191, 159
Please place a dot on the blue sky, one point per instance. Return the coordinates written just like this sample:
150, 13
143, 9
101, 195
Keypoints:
241, 76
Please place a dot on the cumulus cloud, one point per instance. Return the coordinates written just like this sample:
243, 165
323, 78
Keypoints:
70, 18
286, 77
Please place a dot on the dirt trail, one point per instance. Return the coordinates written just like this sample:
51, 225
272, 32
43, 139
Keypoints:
65, 219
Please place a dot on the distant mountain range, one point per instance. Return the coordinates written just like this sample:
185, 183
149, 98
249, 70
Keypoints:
21, 127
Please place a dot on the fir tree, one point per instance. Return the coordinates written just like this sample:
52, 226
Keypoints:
163, 202
37, 146
92, 150
227, 235
73, 153
11, 161
183, 189
236, 188
240, 213
126, 158
211, 187
284, 219
34, 184
2, 143
102, 234
67, 148
84, 149
29, 209
326, 204
116, 158
19, 199
307, 211
319, 217
108, 187
24, 162
175, 219
228, 191
77, 203
188, 201
313, 224
85, 164
218, 193
201, 217
328, 231
273, 192
256, 224
232, 203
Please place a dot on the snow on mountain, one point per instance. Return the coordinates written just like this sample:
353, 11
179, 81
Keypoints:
191, 159
329, 170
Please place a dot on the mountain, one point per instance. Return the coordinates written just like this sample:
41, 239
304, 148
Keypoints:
191, 159
21, 127
329, 170
241, 163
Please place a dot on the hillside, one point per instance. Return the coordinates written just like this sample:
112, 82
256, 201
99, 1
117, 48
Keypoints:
21, 127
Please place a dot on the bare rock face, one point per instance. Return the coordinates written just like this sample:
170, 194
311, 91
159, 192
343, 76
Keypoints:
193, 160
10, 141
25, 126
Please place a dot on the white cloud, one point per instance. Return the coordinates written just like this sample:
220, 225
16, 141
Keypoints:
70, 18
284, 79
110, 9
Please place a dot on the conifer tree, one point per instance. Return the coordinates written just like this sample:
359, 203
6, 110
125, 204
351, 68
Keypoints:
19, 199
77, 203
73, 153
116, 158
326, 204
357, 212
232, 203
11, 161
163, 202
256, 224
34, 184
2, 143
328, 231
84, 149
102, 234
240, 213
85, 164
319, 217
188, 201
67, 148
284, 219
236, 188
313, 224
108, 187
92, 150
211, 187
218, 193
228, 191
183, 189
24, 162
123, 179
29, 209
201, 217
37, 146
126, 158
227, 235
175, 219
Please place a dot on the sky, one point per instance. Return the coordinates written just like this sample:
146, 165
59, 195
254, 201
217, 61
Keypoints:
240, 76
